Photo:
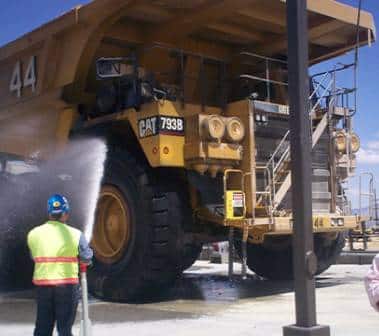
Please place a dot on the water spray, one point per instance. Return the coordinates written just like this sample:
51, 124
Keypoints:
75, 173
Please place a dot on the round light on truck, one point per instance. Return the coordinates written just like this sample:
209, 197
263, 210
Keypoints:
355, 143
340, 142
235, 131
213, 128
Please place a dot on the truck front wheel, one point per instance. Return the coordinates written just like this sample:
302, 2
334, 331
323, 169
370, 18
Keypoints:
136, 237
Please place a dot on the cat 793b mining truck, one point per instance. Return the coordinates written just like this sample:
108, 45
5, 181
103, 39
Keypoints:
191, 98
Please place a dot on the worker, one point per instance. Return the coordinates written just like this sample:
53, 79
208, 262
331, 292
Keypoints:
372, 283
56, 249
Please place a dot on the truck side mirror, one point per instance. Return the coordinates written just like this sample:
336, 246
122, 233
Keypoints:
109, 67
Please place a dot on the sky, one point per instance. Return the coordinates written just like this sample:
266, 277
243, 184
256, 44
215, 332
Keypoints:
366, 122
20, 16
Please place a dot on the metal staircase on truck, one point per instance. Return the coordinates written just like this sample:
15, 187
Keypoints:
326, 102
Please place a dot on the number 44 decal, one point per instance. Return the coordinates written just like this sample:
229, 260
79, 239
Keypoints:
30, 78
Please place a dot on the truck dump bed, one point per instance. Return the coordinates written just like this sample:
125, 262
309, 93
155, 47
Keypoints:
256, 24
57, 59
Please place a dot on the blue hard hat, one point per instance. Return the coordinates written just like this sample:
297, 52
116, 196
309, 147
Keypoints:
57, 204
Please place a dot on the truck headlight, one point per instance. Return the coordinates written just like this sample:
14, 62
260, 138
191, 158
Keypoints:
355, 143
213, 127
235, 131
340, 142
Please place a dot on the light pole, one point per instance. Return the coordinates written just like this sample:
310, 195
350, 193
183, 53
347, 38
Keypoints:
304, 259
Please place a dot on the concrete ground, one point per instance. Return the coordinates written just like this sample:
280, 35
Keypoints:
205, 303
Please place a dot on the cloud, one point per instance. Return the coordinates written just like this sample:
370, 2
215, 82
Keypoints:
373, 145
369, 155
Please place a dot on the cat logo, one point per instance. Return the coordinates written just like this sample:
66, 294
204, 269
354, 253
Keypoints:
166, 125
148, 127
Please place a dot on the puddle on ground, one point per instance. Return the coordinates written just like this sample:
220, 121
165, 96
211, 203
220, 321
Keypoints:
196, 294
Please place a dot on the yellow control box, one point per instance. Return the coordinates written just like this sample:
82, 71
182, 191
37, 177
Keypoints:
235, 204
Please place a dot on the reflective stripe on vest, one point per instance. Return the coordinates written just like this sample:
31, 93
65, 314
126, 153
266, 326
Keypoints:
56, 259
55, 247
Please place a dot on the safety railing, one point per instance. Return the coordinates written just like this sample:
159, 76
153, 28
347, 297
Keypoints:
265, 195
326, 88
268, 79
325, 96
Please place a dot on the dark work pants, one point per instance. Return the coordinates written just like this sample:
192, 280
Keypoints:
56, 304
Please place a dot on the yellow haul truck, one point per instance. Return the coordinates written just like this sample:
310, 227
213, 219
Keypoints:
191, 97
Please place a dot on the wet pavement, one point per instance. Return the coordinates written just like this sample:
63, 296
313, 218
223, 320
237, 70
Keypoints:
204, 302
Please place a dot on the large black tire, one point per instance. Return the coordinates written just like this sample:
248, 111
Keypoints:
16, 267
273, 259
190, 254
158, 211
327, 250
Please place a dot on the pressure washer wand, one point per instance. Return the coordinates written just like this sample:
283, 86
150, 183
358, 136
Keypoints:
85, 325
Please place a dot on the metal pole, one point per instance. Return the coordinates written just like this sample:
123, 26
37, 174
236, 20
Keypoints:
245, 235
351, 242
304, 259
371, 198
86, 325
370, 194
376, 210
268, 81
231, 253
364, 236
332, 157
360, 195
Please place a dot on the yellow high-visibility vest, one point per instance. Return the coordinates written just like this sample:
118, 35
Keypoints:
55, 247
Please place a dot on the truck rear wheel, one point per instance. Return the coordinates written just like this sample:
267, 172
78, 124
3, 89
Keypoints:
273, 259
137, 232
190, 254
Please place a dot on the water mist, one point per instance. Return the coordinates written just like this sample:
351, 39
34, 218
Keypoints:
75, 173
